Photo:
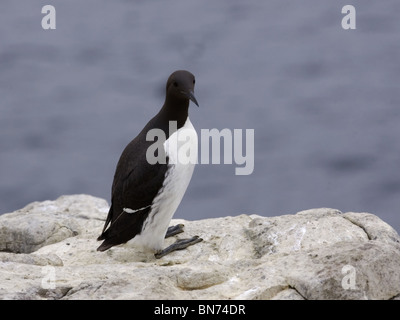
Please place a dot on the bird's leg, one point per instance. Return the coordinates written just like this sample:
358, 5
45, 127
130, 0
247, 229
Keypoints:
178, 245
174, 230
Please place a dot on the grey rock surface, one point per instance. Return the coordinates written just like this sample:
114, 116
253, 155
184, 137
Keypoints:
49, 252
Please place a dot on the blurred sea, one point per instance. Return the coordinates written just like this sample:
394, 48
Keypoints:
324, 102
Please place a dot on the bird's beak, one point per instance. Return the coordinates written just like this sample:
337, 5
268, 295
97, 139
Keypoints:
191, 96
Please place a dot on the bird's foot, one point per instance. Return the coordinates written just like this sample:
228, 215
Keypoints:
174, 230
178, 245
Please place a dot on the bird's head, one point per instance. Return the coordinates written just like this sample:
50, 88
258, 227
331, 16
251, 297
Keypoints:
180, 85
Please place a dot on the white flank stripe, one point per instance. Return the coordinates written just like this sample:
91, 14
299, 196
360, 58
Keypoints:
128, 210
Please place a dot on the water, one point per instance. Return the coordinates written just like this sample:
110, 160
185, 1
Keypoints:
323, 102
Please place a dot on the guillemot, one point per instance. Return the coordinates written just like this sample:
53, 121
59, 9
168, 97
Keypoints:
145, 195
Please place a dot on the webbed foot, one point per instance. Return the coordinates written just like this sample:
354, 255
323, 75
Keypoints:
178, 245
173, 230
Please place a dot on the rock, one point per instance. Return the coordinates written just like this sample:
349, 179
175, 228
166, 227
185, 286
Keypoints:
44, 223
49, 252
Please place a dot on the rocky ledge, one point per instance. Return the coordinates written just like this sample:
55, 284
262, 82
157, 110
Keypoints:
48, 251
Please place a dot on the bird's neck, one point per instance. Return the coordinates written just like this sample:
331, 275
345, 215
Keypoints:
176, 110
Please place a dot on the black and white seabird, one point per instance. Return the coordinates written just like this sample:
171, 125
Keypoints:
145, 195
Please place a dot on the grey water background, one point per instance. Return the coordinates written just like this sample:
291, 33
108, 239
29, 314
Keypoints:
324, 102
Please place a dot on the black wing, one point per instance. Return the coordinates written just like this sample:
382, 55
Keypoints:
136, 183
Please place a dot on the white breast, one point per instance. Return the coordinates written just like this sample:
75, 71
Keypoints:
181, 149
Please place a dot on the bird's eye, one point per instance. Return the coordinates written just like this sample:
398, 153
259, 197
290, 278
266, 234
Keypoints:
194, 81
175, 84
